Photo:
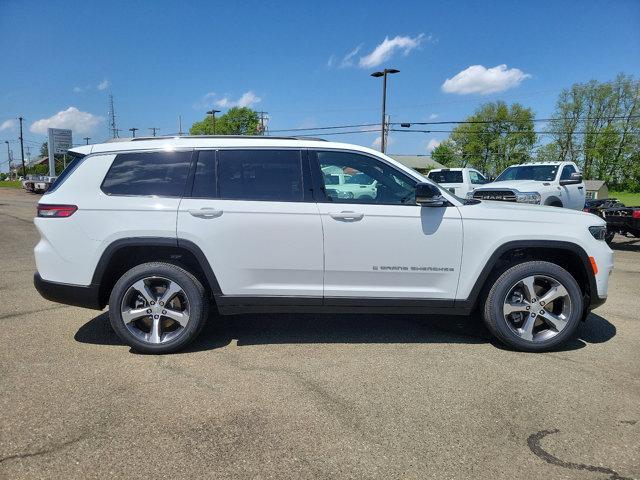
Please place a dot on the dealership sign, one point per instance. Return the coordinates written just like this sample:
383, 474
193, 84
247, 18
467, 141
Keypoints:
60, 141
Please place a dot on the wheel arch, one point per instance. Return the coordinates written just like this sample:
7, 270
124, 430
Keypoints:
125, 253
570, 256
554, 201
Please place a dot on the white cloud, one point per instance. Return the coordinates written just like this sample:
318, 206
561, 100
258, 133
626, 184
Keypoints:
331, 61
433, 116
482, 80
207, 101
79, 122
433, 143
377, 141
347, 61
8, 125
103, 85
387, 48
77, 89
247, 99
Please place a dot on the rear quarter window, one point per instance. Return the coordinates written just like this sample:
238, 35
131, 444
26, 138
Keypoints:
161, 174
446, 176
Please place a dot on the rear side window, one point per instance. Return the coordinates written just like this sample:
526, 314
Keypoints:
446, 176
271, 175
204, 183
161, 174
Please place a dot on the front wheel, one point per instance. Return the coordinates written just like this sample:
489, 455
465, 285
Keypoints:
158, 308
534, 306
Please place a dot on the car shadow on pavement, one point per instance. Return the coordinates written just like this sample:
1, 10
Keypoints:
625, 244
264, 329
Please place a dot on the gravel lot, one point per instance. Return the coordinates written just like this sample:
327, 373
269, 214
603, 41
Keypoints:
310, 396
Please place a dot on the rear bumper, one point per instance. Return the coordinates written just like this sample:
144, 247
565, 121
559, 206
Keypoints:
77, 295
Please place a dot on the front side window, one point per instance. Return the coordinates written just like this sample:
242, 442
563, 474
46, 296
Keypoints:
162, 174
567, 171
363, 179
540, 173
476, 178
269, 175
446, 176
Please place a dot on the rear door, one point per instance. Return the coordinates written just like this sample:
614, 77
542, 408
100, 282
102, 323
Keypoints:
251, 213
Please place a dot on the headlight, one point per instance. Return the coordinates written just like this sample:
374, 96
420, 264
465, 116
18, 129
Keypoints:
599, 232
528, 197
470, 195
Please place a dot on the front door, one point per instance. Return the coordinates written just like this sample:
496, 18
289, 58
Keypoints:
383, 245
251, 213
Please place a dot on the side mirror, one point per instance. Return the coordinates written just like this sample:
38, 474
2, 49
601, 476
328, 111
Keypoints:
573, 180
428, 195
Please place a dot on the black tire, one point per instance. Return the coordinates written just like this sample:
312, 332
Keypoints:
196, 297
493, 308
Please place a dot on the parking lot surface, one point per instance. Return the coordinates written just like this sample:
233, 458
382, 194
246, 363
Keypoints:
311, 396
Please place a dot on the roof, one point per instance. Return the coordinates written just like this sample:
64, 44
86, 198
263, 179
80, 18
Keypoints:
594, 184
417, 161
404, 162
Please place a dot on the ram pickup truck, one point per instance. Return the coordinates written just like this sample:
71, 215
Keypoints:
458, 181
557, 184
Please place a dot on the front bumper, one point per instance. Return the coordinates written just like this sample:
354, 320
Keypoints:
77, 295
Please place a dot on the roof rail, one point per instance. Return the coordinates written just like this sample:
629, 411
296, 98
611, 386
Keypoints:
258, 137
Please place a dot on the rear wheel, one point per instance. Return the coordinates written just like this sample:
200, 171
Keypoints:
157, 308
534, 306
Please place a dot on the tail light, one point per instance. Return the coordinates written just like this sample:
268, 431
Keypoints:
585, 210
56, 210
635, 214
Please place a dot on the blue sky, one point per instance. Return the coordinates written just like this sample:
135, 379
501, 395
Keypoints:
291, 59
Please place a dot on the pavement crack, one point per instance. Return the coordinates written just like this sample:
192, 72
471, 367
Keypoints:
534, 445
43, 451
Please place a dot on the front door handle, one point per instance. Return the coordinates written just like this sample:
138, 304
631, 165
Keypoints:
580, 188
206, 212
345, 215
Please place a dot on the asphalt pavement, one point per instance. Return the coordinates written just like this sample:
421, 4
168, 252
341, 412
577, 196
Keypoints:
311, 396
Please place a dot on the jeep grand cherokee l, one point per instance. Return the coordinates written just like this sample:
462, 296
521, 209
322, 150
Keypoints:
160, 229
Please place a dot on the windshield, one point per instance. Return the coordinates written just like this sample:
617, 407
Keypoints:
446, 176
540, 173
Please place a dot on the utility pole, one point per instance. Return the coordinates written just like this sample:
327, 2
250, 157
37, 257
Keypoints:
213, 112
384, 73
179, 125
86, 139
263, 116
24, 169
153, 130
133, 131
8, 156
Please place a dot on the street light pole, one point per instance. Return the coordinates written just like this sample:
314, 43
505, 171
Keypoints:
86, 139
133, 131
383, 126
213, 118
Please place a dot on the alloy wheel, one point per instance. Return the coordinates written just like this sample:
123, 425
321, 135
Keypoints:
537, 308
155, 309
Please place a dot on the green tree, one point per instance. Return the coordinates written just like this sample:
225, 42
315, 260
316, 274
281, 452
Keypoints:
236, 121
597, 125
445, 154
495, 136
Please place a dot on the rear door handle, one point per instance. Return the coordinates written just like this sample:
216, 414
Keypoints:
580, 188
345, 215
206, 212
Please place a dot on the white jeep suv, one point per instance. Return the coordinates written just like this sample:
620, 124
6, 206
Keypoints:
161, 228
557, 184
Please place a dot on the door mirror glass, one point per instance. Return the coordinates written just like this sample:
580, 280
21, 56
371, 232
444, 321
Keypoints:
429, 195
574, 179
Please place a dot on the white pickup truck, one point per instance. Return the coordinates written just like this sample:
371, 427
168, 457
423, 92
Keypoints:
458, 181
557, 184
